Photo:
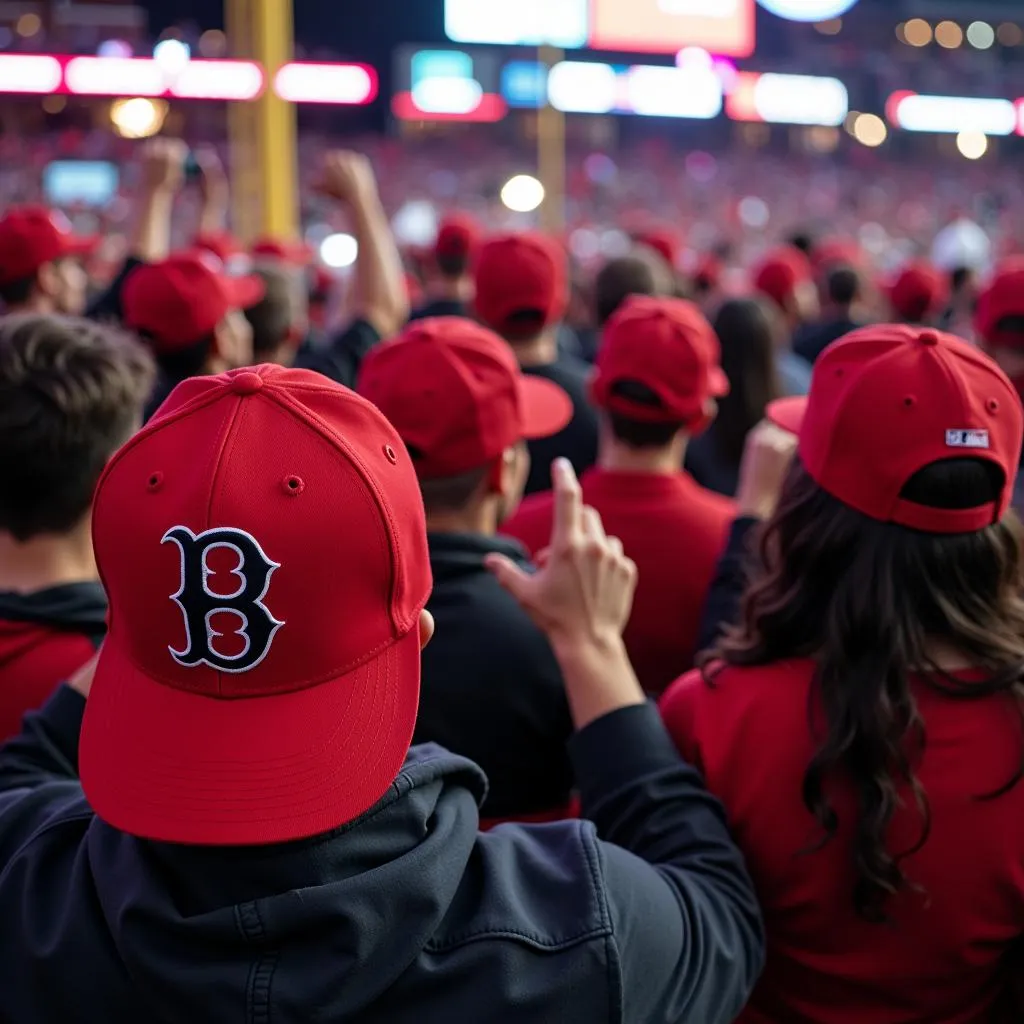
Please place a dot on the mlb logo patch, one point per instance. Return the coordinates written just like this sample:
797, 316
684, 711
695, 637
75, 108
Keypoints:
966, 438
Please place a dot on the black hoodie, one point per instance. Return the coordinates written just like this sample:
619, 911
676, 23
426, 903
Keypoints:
407, 915
492, 690
45, 637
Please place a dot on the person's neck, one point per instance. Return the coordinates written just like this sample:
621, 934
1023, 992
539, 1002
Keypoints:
480, 519
46, 561
37, 303
449, 289
541, 351
946, 657
617, 457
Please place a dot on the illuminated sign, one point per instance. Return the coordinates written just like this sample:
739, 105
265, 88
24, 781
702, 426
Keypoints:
807, 10
560, 23
447, 85
788, 99
951, 114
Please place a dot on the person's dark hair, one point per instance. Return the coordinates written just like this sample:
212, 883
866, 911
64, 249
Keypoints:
453, 265
640, 433
746, 334
451, 493
802, 240
522, 325
639, 273
866, 600
959, 278
17, 293
71, 393
180, 364
843, 285
272, 317
1009, 325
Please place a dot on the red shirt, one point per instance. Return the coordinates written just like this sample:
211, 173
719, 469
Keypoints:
944, 959
674, 530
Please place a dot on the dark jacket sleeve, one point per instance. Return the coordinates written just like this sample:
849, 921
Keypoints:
39, 771
343, 358
107, 305
687, 937
722, 605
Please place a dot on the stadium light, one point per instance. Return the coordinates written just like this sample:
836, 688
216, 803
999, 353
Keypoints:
522, 193
302, 82
218, 79
949, 35
981, 35
917, 32
29, 73
807, 10
674, 92
339, 251
972, 145
951, 114
788, 99
869, 130
138, 118
580, 87
172, 56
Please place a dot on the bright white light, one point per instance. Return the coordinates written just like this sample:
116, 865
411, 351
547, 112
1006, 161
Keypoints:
801, 99
585, 244
973, 145
415, 223
753, 212
447, 95
114, 48
869, 130
962, 244
981, 35
582, 88
953, 115
325, 83
694, 58
25, 73
674, 92
522, 194
114, 76
807, 10
138, 118
219, 80
171, 56
561, 23
339, 251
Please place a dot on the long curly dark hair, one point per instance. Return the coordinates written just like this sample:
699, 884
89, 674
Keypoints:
870, 602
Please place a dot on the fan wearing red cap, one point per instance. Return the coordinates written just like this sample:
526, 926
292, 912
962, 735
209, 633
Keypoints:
40, 268
919, 294
252, 836
656, 380
491, 687
522, 293
191, 315
449, 270
786, 276
841, 294
862, 721
999, 319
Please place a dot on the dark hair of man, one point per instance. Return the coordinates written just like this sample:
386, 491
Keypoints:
182, 363
865, 599
636, 433
639, 273
449, 493
959, 277
746, 334
802, 240
272, 317
523, 325
1008, 326
17, 293
843, 285
71, 393
453, 265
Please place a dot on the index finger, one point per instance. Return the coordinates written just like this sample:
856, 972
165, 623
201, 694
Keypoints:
568, 504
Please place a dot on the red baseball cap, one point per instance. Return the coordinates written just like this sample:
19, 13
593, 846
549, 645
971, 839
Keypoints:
667, 345
519, 273
664, 242
31, 236
178, 302
263, 546
1004, 297
918, 292
458, 236
457, 397
779, 273
889, 400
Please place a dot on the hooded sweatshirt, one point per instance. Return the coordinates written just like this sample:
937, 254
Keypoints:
407, 915
45, 637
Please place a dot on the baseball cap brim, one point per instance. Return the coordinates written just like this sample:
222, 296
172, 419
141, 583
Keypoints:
546, 408
787, 413
162, 763
245, 291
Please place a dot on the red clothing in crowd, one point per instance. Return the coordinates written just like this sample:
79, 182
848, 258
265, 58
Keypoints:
674, 530
944, 955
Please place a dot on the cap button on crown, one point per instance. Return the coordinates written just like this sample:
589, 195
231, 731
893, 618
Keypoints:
247, 383
929, 338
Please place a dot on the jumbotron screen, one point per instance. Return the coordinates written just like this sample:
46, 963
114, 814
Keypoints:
645, 26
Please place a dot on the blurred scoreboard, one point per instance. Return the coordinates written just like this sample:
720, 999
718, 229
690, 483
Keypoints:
645, 26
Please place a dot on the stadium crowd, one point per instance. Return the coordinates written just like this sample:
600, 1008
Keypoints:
495, 638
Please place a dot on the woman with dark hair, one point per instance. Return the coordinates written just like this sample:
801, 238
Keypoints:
863, 724
746, 335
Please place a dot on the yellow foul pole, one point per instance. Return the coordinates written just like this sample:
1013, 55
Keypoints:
551, 153
263, 132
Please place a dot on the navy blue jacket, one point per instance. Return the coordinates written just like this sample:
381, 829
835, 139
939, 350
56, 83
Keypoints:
405, 916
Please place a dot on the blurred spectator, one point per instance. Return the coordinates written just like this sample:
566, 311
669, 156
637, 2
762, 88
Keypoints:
746, 334
636, 274
657, 380
491, 690
450, 282
919, 294
277, 322
522, 294
70, 394
838, 316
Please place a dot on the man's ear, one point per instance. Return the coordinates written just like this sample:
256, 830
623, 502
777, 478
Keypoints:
47, 279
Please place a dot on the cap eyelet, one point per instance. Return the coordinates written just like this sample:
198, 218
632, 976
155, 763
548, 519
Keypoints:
389, 454
992, 405
155, 481
910, 401
293, 486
